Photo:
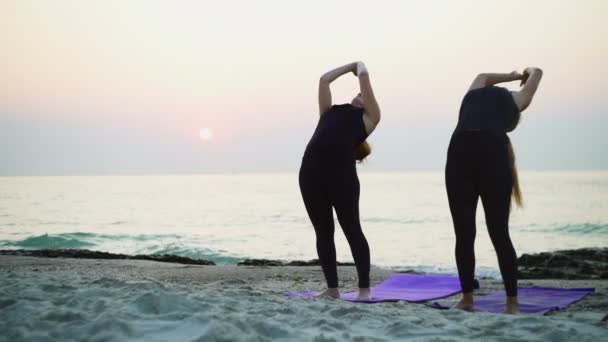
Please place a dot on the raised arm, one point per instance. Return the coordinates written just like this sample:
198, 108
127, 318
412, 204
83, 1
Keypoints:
488, 79
371, 117
330, 76
530, 81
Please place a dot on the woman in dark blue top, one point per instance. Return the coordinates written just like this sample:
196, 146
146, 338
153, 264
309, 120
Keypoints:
328, 174
481, 163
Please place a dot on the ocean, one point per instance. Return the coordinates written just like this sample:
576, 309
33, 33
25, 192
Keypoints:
227, 218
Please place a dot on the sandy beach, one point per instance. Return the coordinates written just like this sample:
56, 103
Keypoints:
113, 300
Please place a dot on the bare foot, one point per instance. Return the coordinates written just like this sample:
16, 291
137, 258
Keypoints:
331, 292
512, 306
364, 295
466, 302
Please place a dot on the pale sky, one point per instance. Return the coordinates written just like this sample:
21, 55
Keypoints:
110, 87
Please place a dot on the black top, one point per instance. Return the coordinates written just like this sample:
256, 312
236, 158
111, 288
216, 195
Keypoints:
488, 109
339, 131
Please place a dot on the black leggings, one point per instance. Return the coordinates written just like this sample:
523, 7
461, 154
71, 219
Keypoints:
337, 188
479, 166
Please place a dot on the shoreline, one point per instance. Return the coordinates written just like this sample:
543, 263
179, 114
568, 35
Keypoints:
581, 264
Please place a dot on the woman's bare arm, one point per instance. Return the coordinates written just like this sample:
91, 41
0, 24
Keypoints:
488, 79
370, 105
531, 80
324, 82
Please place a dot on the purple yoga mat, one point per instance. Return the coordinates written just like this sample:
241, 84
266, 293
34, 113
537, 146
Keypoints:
532, 300
407, 287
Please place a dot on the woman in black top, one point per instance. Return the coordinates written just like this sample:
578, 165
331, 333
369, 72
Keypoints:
481, 163
328, 174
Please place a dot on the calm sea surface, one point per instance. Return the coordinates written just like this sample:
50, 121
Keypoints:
226, 218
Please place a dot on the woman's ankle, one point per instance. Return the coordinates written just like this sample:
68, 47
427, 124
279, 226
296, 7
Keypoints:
467, 296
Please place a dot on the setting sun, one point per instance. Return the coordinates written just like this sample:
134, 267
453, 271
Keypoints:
206, 134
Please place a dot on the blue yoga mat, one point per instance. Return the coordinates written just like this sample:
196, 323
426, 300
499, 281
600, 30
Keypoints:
405, 287
532, 300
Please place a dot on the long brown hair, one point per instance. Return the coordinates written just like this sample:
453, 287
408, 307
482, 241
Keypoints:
362, 151
516, 193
